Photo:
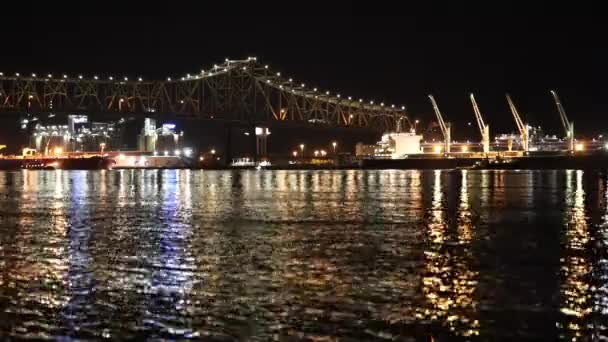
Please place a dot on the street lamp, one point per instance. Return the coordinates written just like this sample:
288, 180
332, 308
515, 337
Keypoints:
302, 149
102, 146
323, 153
295, 153
212, 151
316, 153
416, 124
334, 144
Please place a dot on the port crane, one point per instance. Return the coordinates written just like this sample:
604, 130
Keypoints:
521, 126
568, 125
445, 128
483, 128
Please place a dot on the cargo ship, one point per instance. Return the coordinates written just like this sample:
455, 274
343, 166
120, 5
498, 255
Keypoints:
30, 160
592, 160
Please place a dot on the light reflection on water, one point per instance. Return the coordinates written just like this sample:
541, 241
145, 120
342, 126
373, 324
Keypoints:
274, 255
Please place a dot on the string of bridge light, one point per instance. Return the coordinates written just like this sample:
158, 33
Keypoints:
223, 69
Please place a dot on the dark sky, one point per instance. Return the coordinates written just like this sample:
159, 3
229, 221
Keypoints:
399, 59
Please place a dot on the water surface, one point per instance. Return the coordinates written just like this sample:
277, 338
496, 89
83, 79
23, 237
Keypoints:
288, 255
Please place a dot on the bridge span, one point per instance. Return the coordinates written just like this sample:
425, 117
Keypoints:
235, 90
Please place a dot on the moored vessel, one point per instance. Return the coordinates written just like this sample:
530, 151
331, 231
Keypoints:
30, 160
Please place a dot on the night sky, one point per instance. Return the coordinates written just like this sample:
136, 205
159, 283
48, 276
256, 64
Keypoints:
400, 59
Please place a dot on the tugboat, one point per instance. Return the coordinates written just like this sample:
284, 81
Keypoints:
30, 160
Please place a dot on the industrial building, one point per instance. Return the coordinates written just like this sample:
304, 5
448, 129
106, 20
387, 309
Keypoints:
78, 135
164, 138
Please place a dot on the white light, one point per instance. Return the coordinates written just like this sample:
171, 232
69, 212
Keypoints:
371, 102
360, 100
315, 89
290, 80
225, 59
188, 75
65, 76
183, 78
80, 76
177, 152
139, 79
155, 153
327, 92
302, 85
350, 98
278, 74
166, 153
121, 156
392, 106
187, 152
17, 74
266, 66
49, 76
1, 74
281, 86
202, 71
267, 81
126, 78
403, 107
33, 75
225, 69
244, 68
382, 104
338, 95
111, 78
169, 79
95, 77
212, 151
606, 146
215, 66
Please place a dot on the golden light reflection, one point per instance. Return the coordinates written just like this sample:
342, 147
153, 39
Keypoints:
575, 290
449, 283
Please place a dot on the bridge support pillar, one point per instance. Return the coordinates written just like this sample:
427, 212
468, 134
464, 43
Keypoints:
261, 141
228, 152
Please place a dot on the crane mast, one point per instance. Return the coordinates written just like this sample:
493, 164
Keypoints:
568, 126
483, 128
523, 128
445, 128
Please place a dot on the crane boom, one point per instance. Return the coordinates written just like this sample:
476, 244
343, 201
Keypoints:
523, 128
568, 126
480, 122
445, 128
483, 128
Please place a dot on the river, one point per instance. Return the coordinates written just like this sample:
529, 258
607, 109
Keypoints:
319, 255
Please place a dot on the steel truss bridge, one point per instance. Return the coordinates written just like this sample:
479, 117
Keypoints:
242, 90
